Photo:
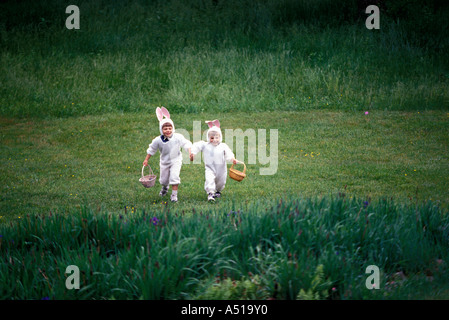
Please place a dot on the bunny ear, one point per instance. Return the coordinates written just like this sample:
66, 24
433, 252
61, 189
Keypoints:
165, 112
159, 113
213, 123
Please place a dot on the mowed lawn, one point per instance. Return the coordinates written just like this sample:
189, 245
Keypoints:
60, 164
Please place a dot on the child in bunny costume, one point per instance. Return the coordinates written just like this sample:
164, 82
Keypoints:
169, 144
216, 154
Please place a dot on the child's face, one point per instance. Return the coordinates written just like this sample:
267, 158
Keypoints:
167, 130
214, 138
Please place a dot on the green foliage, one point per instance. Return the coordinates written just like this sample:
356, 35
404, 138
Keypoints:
195, 56
294, 248
227, 289
319, 289
423, 21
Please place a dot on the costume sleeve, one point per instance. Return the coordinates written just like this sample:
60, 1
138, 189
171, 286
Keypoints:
186, 144
229, 155
153, 147
198, 147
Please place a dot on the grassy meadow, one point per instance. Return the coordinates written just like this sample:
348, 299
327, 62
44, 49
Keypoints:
361, 156
97, 160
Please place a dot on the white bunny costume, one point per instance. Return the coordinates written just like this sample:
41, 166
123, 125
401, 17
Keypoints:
215, 156
169, 148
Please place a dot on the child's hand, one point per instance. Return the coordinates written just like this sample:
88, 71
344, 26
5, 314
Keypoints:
145, 163
234, 161
191, 157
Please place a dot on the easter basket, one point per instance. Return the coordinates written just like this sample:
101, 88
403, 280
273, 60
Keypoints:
237, 175
149, 180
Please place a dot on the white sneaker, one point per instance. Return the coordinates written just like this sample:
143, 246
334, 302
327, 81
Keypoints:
174, 198
210, 197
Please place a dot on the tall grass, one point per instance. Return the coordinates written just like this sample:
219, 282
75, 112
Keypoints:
193, 56
173, 254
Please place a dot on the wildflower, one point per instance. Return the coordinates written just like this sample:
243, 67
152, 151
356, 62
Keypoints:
154, 221
365, 204
366, 112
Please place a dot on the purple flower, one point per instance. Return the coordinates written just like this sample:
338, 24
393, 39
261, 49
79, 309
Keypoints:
365, 204
154, 221
233, 213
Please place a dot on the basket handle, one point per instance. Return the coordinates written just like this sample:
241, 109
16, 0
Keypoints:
151, 170
244, 166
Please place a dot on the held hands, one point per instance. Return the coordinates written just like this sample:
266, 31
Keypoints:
234, 161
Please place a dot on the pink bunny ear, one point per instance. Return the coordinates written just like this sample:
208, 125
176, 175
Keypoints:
213, 123
159, 114
165, 112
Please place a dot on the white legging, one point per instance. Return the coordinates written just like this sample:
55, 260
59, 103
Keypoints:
170, 173
214, 181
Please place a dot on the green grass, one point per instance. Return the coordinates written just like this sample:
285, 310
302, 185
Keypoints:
270, 249
354, 73
97, 160
77, 114
193, 59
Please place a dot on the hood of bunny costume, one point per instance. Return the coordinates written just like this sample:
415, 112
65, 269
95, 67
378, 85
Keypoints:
164, 117
164, 121
214, 126
213, 130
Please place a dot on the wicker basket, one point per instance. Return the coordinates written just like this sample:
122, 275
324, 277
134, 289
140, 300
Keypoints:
149, 180
237, 175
